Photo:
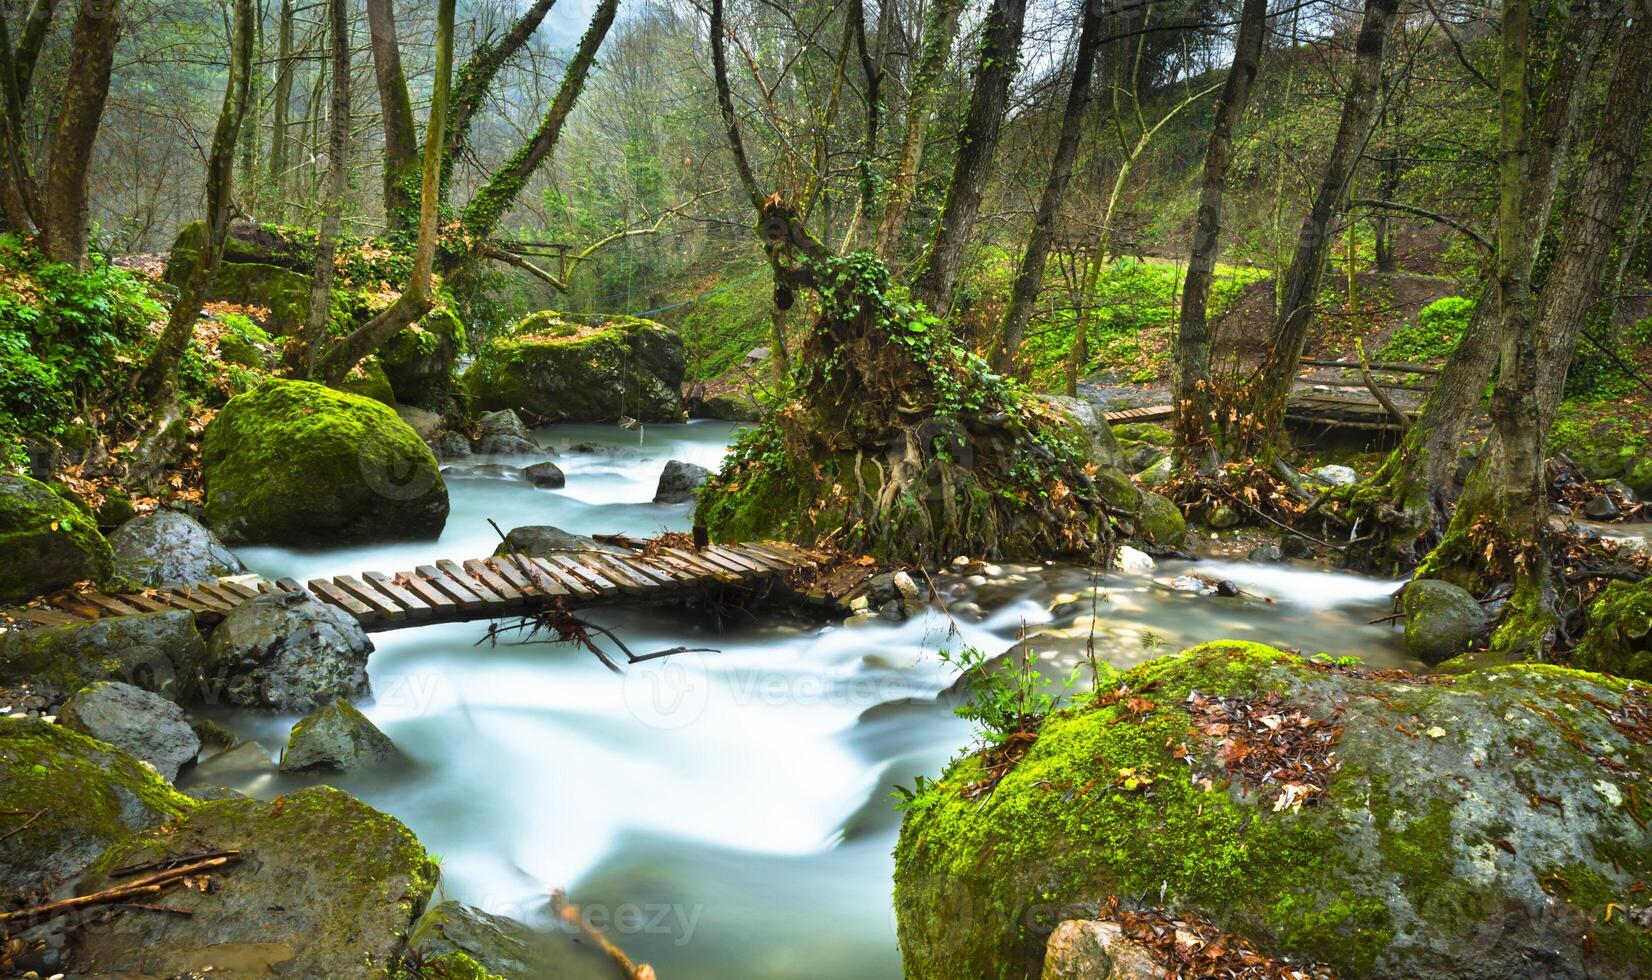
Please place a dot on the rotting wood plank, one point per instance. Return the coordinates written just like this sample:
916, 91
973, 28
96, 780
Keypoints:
290, 585
543, 583
507, 570
663, 570
172, 600
438, 601
630, 581
243, 591
643, 572
220, 593
718, 567
108, 605
456, 572
207, 599
493, 580
416, 607
46, 617
451, 587
739, 561
576, 586
689, 570
334, 596
144, 603
380, 603
586, 574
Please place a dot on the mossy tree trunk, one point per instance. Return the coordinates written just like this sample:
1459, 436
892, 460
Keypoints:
301, 350
1499, 530
417, 299
1029, 278
158, 380
1259, 410
475, 79
1194, 399
65, 200
281, 141
401, 140
939, 31
977, 144
1401, 512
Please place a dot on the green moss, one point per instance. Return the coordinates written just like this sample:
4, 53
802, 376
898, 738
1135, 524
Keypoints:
296, 462
48, 542
1161, 521
368, 380
1147, 432
558, 369
454, 965
1617, 639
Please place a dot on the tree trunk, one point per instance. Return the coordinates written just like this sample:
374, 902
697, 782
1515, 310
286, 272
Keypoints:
1029, 278
301, 350
977, 142
65, 207
19, 202
1195, 404
416, 300
401, 139
471, 87
1261, 412
35, 30
489, 205
158, 379
281, 114
939, 33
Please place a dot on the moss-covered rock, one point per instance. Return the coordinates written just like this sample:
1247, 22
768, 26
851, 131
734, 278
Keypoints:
457, 942
556, 369
730, 408
295, 462
1441, 620
337, 736
160, 652
1155, 435
368, 380
259, 269
46, 541
1088, 429
419, 361
88, 795
1161, 521
1472, 826
1619, 636
327, 887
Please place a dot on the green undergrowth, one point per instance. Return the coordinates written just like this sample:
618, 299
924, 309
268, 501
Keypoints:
1433, 335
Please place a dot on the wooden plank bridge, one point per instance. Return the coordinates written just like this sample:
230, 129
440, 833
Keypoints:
453, 591
1304, 408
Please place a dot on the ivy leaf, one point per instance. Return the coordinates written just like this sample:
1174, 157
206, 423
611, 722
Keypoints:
918, 326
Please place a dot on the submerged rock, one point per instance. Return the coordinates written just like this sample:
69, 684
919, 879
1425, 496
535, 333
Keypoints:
546, 476
239, 764
160, 652
456, 941
679, 481
336, 737
1618, 639
145, 726
327, 887
167, 548
287, 652
88, 796
294, 462
504, 434
1470, 826
47, 541
557, 369
1441, 620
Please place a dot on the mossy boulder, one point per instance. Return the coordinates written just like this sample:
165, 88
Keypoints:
1441, 620
1618, 639
556, 369
1088, 429
1153, 435
327, 887
142, 724
160, 652
259, 269
337, 736
89, 796
1161, 522
294, 462
418, 362
730, 408
368, 380
47, 541
1466, 827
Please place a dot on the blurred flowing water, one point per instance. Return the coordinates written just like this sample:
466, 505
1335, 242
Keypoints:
727, 814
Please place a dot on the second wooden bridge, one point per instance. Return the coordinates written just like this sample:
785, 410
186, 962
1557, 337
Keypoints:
452, 591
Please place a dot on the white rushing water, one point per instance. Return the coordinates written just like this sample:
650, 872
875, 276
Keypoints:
721, 814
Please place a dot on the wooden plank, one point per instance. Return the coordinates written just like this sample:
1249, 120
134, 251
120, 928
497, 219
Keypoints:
438, 601
416, 608
543, 584
382, 604
694, 561
478, 569
661, 569
576, 586
268, 588
195, 593
488, 596
506, 569
630, 581
451, 587
45, 617
334, 596
145, 603
792, 559
756, 566
587, 575
174, 600
237, 588
688, 571
644, 572
220, 593
727, 568
290, 585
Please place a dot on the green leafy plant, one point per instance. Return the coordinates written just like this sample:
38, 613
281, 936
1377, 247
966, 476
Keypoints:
1439, 326
1009, 698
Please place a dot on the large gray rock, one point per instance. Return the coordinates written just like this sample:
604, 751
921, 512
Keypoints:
145, 726
454, 940
88, 795
679, 481
1441, 620
336, 737
581, 372
160, 652
167, 548
288, 652
1091, 428
326, 887
1088, 949
546, 475
504, 434
543, 540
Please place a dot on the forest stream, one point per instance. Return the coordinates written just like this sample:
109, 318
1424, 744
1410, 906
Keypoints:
726, 814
